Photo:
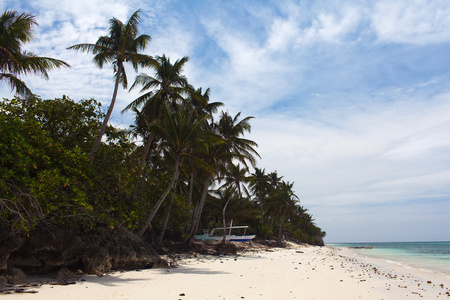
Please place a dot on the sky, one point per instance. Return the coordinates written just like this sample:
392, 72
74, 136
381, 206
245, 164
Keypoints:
350, 99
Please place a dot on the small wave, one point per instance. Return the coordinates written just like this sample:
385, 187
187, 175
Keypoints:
426, 270
394, 262
400, 264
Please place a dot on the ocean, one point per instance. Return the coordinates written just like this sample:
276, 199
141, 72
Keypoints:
433, 256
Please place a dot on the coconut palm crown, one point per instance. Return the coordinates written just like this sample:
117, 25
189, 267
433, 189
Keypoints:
122, 44
15, 30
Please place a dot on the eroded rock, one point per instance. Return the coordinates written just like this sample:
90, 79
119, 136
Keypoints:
16, 276
48, 249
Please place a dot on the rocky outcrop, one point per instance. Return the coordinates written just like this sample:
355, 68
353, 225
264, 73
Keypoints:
9, 242
15, 276
54, 249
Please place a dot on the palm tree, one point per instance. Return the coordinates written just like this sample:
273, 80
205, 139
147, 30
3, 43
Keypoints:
165, 87
260, 186
228, 145
212, 162
274, 179
235, 180
15, 30
200, 101
121, 45
283, 204
231, 130
180, 132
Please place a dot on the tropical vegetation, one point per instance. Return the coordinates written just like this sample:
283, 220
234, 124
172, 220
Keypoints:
182, 167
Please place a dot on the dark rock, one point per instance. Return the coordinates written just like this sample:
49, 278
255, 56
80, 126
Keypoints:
96, 261
49, 248
226, 248
24, 291
3, 282
16, 276
25, 260
9, 242
65, 275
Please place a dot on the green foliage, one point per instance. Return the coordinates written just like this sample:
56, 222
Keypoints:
45, 175
33, 163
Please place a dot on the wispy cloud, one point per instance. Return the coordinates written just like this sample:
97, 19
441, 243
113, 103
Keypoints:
346, 161
415, 22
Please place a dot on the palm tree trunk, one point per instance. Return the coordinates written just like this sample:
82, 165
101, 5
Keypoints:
198, 211
189, 198
142, 166
224, 221
191, 189
176, 173
166, 219
280, 233
147, 152
145, 156
108, 114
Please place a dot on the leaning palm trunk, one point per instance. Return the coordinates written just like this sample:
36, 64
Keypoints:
191, 189
176, 173
189, 198
280, 233
142, 166
198, 211
166, 219
108, 114
224, 221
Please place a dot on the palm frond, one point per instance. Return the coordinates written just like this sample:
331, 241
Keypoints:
141, 42
131, 29
84, 47
116, 33
16, 84
31, 63
141, 60
16, 29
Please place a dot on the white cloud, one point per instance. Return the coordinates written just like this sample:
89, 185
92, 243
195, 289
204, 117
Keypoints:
332, 28
388, 223
84, 14
283, 33
174, 41
415, 22
374, 158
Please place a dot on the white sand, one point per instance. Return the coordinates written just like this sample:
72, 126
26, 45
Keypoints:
316, 273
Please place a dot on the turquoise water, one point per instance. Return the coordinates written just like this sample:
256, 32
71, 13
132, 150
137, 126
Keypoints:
427, 255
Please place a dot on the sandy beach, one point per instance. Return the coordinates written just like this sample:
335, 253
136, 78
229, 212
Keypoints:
292, 273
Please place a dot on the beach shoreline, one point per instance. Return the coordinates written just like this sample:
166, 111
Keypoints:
429, 256
299, 272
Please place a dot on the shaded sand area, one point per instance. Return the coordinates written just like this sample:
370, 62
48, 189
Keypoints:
292, 273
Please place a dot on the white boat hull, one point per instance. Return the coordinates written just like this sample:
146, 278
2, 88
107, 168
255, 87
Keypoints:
232, 238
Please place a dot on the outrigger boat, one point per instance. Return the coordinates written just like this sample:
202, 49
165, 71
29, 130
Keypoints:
216, 234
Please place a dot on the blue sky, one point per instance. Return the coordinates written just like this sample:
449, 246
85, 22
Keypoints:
351, 99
